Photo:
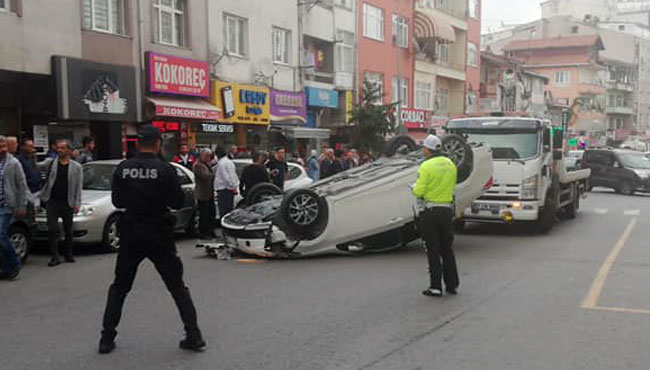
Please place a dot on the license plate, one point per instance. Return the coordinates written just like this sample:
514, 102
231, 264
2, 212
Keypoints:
477, 207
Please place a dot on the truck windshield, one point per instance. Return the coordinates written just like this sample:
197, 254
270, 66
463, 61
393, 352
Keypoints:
635, 160
508, 145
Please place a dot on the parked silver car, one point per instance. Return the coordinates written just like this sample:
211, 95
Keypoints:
96, 221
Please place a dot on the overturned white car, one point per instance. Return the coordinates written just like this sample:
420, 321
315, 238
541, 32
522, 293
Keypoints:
369, 208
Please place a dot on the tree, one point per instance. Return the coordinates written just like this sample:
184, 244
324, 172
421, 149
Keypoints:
372, 121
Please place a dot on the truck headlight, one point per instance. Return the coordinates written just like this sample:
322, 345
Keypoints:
529, 188
85, 210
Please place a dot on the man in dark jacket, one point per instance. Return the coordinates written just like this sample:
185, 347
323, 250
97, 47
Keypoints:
278, 167
27, 158
204, 194
146, 186
253, 174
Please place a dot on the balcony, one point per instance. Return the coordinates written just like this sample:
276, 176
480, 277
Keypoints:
621, 86
457, 17
591, 88
321, 77
619, 110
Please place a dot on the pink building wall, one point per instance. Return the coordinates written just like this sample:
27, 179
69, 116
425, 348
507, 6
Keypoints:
474, 36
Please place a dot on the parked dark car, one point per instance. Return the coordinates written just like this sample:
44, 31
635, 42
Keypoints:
625, 171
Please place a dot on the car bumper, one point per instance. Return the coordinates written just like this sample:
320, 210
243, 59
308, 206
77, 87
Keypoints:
502, 211
253, 240
84, 229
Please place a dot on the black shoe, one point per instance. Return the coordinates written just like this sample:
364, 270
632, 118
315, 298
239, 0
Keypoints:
54, 262
70, 259
432, 292
10, 275
106, 345
452, 291
192, 342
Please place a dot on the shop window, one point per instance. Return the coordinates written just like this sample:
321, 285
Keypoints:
281, 45
236, 35
400, 31
169, 21
373, 22
101, 15
345, 51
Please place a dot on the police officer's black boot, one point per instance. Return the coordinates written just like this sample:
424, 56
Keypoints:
193, 341
107, 343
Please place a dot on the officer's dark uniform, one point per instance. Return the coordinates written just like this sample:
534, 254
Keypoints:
146, 186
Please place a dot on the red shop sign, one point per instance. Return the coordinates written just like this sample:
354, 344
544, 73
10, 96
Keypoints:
416, 118
179, 76
191, 113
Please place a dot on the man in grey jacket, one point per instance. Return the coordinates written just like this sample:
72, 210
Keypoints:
13, 202
62, 195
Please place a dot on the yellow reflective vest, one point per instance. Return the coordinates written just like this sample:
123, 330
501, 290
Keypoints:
436, 180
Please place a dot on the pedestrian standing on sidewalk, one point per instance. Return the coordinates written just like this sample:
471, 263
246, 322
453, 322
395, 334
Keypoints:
435, 192
313, 167
86, 153
226, 183
12, 145
13, 202
62, 196
146, 187
27, 158
253, 174
278, 168
204, 193
184, 157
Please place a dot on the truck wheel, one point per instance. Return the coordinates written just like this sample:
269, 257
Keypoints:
19, 237
456, 148
547, 214
401, 144
260, 192
303, 214
571, 210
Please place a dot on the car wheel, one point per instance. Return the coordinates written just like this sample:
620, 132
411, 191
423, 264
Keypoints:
19, 237
625, 188
456, 148
303, 214
402, 144
260, 192
111, 234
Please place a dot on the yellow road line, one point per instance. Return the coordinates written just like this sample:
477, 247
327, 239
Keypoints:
620, 309
591, 300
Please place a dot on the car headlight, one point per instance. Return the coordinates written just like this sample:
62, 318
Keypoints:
85, 210
643, 174
529, 188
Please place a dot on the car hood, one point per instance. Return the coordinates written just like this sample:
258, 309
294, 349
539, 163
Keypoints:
95, 196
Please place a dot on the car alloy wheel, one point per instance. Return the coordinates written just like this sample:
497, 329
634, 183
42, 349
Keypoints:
303, 209
20, 242
455, 150
113, 236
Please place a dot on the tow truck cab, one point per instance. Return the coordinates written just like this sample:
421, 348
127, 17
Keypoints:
526, 153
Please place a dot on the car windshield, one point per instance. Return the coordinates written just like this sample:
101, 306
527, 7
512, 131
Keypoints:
98, 176
575, 154
508, 146
635, 160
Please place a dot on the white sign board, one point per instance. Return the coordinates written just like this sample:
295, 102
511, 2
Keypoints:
41, 138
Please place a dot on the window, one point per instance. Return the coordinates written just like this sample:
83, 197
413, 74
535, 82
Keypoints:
281, 46
442, 51
562, 77
423, 95
403, 91
347, 4
377, 81
236, 35
344, 51
169, 21
442, 100
373, 22
101, 15
473, 9
4, 5
400, 31
472, 54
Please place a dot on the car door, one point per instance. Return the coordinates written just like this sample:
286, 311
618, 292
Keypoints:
184, 215
597, 161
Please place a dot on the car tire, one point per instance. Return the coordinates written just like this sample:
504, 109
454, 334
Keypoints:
303, 214
111, 234
21, 240
401, 144
455, 147
257, 193
625, 188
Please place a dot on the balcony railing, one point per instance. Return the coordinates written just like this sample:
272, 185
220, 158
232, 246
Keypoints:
324, 77
443, 6
619, 110
622, 86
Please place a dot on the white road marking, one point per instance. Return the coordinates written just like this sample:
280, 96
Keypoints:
632, 212
601, 211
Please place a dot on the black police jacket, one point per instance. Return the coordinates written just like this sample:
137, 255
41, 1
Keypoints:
146, 187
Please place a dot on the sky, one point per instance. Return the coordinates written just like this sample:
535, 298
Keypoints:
509, 11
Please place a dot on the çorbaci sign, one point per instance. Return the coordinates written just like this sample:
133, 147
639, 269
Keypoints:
415, 118
177, 76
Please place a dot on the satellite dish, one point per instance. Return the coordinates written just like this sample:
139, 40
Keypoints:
267, 68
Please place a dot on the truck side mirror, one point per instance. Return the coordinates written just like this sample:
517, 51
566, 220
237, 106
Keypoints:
547, 148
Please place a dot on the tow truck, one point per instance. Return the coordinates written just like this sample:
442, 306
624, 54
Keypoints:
532, 184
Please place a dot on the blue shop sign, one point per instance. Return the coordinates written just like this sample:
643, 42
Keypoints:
322, 97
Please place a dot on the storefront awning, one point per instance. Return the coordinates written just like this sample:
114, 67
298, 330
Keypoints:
185, 108
429, 28
306, 133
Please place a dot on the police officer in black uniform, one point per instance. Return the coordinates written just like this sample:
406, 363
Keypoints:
146, 187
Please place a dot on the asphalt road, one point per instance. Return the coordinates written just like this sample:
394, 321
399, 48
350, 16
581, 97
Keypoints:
521, 306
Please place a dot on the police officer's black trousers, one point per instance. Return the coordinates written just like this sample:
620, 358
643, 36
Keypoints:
437, 231
161, 250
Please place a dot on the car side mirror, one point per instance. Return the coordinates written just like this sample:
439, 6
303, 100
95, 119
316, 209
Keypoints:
617, 165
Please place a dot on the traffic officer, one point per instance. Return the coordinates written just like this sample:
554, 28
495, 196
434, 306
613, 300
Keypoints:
435, 192
146, 187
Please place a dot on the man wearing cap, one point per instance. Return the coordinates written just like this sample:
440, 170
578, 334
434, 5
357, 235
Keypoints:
435, 192
146, 186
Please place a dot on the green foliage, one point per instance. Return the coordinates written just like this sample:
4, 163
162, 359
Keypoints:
372, 121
